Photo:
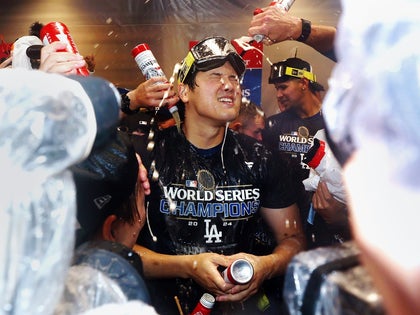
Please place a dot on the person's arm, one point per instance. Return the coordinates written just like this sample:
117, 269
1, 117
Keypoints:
277, 25
202, 268
7, 62
322, 39
286, 226
333, 212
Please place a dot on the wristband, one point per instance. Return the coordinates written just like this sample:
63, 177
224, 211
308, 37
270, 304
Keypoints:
125, 105
306, 30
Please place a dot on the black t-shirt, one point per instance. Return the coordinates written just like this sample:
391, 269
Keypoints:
291, 136
207, 201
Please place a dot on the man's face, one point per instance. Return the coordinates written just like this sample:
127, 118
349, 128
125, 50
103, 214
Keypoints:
216, 97
288, 94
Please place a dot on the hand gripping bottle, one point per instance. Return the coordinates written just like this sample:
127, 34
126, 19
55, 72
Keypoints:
150, 68
285, 4
57, 31
205, 305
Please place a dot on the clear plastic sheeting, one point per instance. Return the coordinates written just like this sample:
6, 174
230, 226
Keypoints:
375, 87
118, 262
330, 281
89, 291
373, 107
47, 124
87, 288
129, 308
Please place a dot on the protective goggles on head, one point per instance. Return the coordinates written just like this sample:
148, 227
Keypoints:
279, 71
208, 54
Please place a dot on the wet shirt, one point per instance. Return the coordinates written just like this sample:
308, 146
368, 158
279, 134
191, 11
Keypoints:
201, 202
207, 200
291, 136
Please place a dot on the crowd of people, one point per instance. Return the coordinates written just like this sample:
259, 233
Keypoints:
162, 211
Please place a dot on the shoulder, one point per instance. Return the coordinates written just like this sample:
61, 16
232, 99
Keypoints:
247, 143
100, 253
118, 262
280, 121
251, 150
283, 116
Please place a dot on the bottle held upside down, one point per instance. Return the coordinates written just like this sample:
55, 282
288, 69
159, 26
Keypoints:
285, 4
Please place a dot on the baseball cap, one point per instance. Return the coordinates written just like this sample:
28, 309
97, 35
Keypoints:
210, 53
104, 181
293, 68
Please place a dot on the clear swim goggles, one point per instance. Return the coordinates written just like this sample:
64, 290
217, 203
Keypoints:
208, 54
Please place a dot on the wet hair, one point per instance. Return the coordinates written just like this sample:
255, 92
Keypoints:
190, 80
127, 211
248, 111
106, 185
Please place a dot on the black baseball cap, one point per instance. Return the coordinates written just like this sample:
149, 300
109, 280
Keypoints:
105, 180
293, 68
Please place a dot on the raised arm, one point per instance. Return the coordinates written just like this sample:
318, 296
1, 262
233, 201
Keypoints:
278, 25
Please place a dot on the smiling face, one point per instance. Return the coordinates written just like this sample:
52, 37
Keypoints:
216, 97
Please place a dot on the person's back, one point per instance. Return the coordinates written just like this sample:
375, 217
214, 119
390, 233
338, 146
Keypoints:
117, 261
110, 216
374, 134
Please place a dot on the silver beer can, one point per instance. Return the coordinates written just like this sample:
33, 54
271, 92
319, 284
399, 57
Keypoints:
239, 272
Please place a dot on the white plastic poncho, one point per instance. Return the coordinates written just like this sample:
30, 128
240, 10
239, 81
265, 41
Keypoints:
47, 123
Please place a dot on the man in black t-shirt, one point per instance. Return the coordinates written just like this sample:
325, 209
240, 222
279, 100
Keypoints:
207, 185
290, 134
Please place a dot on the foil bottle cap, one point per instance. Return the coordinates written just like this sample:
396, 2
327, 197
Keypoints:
139, 49
146, 61
207, 300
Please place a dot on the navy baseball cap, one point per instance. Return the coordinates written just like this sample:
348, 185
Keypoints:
104, 180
